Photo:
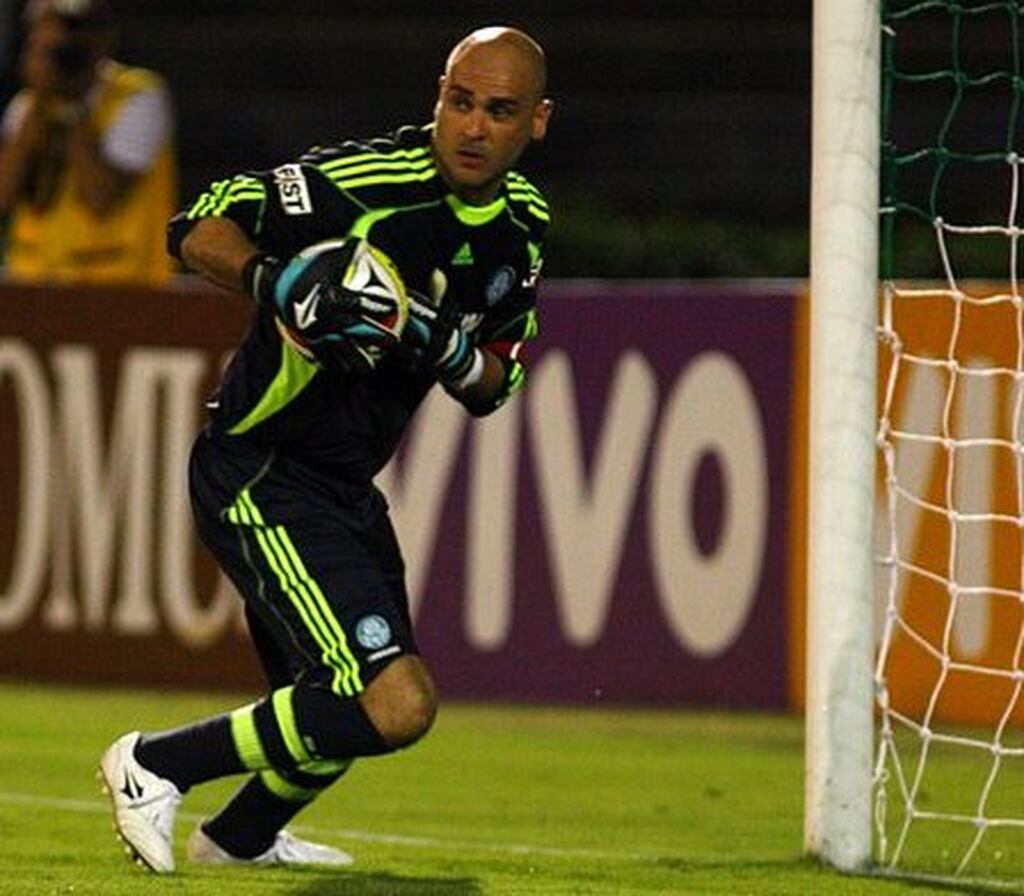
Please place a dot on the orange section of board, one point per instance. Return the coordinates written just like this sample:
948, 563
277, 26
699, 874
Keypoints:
956, 648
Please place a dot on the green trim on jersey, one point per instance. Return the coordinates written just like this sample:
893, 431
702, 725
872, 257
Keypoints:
475, 215
516, 379
521, 190
292, 377
520, 328
532, 327
365, 222
303, 592
395, 158
375, 168
346, 169
224, 193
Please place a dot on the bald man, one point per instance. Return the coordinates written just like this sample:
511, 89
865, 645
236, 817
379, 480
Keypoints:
490, 106
430, 222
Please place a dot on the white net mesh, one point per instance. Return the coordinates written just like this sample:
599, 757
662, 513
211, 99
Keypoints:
949, 773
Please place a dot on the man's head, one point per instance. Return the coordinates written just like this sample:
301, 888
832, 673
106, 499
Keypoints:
490, 105
66, 38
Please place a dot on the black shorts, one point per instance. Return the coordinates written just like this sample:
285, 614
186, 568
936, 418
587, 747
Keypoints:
316, 561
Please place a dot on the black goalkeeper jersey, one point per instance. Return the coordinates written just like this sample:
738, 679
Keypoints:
388, 191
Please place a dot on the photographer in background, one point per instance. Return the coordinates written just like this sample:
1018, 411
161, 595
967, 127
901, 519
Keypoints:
88, 174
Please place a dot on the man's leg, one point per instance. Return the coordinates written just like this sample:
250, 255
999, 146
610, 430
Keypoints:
338, 603
270, 737
248, 825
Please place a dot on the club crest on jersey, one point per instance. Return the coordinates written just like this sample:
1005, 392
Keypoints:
292, 190
373, 632
500, 284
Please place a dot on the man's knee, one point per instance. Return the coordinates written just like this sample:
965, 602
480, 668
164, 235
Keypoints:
401, 702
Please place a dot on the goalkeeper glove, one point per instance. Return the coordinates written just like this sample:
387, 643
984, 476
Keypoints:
441, 344
259, 276
324, 319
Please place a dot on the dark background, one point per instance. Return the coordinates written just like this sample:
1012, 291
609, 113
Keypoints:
680, 144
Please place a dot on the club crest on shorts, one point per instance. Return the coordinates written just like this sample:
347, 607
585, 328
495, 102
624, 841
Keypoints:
373, 632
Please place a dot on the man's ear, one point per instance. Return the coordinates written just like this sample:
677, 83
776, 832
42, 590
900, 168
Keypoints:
440, 95
541, 114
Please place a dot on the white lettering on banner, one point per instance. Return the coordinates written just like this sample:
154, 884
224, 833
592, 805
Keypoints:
416, 493
115, 474
91, 494
19, 366
490, 527
97, 501
921, 412
182, 374
974, 479
586, 521
974, 413
707, 599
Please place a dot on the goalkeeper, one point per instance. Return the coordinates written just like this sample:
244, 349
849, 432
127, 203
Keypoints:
426, 249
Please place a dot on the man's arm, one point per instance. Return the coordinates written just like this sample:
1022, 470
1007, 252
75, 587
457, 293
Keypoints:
218, 250
480, 397
109, 163
19, 151
101, 184
480, 377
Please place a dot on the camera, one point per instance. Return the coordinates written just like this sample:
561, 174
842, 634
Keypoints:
84, 21
71, 57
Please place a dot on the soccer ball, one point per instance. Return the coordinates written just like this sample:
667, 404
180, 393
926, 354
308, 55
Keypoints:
360, 321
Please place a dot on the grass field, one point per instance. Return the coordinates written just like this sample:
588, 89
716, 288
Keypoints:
495, 800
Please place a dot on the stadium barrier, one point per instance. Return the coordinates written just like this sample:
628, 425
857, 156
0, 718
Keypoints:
622, 531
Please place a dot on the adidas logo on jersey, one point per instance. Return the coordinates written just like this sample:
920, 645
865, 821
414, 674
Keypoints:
463, 257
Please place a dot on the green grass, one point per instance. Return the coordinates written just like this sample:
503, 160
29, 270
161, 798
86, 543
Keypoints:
495, 800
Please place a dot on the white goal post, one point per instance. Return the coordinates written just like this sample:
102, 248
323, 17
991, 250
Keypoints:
842, 453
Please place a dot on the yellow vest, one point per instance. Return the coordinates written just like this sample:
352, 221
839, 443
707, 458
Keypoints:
66, 242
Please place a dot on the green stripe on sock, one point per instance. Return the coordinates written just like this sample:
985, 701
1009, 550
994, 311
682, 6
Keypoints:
285, 789
326, 766
246, 739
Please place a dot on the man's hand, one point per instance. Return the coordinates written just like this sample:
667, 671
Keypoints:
337, 300
57, 63
438, 340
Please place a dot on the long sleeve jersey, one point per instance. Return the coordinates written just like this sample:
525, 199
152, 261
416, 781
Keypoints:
388, 191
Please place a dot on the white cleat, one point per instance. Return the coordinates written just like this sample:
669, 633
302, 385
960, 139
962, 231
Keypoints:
287, 849
144, 805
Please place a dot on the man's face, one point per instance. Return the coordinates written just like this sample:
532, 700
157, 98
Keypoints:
487, 112
59, 59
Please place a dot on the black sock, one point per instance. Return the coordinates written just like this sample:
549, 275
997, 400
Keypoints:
249, 823
337, 726
192, 754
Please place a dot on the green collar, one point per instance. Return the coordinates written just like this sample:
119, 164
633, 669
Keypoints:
475, 215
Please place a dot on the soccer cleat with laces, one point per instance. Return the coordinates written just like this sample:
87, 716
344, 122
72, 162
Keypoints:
144, 805
286, 849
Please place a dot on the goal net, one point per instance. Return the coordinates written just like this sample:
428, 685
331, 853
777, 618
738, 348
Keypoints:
949, 676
